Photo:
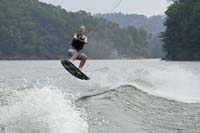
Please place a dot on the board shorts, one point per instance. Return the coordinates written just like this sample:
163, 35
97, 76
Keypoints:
71, 51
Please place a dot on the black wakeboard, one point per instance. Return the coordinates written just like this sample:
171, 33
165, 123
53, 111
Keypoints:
72, 69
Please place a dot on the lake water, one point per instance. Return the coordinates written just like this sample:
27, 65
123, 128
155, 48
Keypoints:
123, 96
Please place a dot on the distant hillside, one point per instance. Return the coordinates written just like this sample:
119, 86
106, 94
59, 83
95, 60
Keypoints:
30, 29
152, 24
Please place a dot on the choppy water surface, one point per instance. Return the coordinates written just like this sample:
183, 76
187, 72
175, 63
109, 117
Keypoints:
123, 96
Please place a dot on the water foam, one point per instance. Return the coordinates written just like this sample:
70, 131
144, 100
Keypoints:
174, 83
172, 80
39, 111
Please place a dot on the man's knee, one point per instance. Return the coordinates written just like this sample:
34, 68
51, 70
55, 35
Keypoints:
83, 57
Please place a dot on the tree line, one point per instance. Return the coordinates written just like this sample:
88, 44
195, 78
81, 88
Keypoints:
30, 29
154, 25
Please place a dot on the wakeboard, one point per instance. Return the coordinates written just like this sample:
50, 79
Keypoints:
72, 69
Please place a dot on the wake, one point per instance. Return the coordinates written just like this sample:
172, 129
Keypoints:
39, 110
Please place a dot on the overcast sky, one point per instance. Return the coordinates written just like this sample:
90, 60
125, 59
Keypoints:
145, 7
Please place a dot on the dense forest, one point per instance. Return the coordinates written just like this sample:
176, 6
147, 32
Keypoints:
182, 36
154, 25
30, 29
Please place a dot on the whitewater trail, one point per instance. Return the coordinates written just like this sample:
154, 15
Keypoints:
122, 96
177, 82
39, 110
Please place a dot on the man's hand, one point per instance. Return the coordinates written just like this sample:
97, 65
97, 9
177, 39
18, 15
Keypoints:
86, 40
75, 37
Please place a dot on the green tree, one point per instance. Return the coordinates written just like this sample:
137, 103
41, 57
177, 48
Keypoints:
182, 38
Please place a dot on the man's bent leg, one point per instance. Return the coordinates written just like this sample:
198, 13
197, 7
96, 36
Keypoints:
74, 55
83, 59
